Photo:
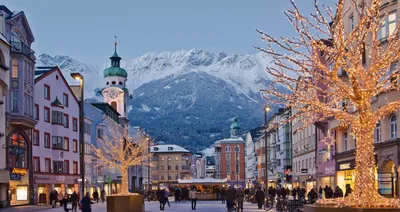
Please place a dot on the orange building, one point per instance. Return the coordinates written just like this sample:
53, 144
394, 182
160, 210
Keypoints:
229, 157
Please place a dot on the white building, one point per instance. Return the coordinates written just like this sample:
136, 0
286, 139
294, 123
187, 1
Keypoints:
250, 156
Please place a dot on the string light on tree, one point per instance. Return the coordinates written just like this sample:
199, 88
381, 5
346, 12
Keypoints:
334, 73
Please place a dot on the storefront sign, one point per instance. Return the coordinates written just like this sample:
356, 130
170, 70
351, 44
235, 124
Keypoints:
329, 170
304, 171
20, 171
346, 165
15, 176
42, 177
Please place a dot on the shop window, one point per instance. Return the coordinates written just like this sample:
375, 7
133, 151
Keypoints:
18, 152
22, 192
393, 126
345, 141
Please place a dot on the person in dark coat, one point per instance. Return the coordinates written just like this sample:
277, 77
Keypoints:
103, 196
348, 190
260, 196
312, 196
86, 207
177, 194
54, 198
217, 193
302, 194
320, 191
161, 198
74, 199
230, 195
329, 193
338, 192
67, 203
96, 196
294, 193
223, 195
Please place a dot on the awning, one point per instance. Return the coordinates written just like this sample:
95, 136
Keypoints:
203, 181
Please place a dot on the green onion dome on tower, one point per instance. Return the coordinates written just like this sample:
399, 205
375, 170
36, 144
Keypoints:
115, 70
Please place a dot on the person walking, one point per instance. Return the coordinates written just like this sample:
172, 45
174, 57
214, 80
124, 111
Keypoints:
230, 195
177, 194
302, 194
294, 192
166, 193
96, 196
348, 190
86, 203
320, 192
338, 192
103, 195
54, 198
74, 199
67, 203
240, 199
223, 195
161, 198
217, 193
326, 191
193, 198
260, 196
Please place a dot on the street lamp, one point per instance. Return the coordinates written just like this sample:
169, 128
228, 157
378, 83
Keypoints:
266, 110
79, 77
148, 166
168, 159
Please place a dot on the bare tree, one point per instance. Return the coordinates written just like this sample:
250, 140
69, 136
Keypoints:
121, 150
333, 72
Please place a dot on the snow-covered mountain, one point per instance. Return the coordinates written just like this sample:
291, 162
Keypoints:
187, 97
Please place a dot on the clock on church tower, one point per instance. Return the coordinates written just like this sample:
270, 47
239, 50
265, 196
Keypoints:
115, 93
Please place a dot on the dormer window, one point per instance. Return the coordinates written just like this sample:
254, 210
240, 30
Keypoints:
170, 148
155, 148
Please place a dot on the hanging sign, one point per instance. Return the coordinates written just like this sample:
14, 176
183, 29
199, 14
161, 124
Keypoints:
20, 171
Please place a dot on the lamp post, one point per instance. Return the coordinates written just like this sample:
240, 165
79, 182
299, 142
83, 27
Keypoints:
148, 166
79, 77
266, 110
168, 171
237, 165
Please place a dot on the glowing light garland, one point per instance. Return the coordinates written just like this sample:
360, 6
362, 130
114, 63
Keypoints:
320, 91
120, 150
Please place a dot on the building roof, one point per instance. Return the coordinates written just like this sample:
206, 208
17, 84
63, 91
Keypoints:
168, 148
233, 139
256, 132
115, 70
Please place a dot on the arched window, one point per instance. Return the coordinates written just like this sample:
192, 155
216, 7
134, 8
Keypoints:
378, 136
345, 141
393, 126
114, 105
18, 152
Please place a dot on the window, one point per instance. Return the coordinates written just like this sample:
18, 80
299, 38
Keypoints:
35, 138
307, 163
66, 120
100, 133
393, 126
87, 128
74, 145
388, 25
237, 149
58, 142
47, 165
36, 164
46, 114
75, 167
87, 148
14, 101
345, 141
162, 167
47, 140
36, 112
66, 166
378, 135
65, 100
47, 92
227, 148
14, 68
18, 152
74, 124
351, 23
57, 117
66, 144
58, 166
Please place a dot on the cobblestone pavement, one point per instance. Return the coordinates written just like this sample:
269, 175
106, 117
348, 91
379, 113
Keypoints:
206, 206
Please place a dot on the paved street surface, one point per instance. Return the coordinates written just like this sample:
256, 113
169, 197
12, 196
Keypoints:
206, 206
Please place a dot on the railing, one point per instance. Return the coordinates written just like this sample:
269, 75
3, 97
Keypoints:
19, 47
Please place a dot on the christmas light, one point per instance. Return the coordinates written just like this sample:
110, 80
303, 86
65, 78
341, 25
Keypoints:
334, 72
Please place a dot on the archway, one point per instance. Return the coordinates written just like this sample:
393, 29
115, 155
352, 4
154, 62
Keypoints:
386, 180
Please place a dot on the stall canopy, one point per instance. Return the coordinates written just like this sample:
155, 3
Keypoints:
202, 181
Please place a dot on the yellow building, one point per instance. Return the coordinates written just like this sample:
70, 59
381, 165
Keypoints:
169, 163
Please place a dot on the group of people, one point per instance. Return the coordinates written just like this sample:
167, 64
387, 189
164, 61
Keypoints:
328, 193
70, 202
180, 194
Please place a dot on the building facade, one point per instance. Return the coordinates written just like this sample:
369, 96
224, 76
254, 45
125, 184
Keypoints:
229, 157
169, 163
251, 157
5, 48
19, 107
55, 158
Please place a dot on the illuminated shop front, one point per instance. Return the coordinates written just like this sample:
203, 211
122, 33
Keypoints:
18, 160
326, 174
345, 174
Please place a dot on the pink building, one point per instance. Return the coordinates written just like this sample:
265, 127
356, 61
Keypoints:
55, 149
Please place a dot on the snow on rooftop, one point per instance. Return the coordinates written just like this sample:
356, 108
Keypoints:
165, 148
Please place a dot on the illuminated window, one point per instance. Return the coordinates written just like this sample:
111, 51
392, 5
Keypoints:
14, 68
393, 126
18, 152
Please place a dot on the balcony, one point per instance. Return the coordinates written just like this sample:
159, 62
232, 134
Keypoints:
21, 48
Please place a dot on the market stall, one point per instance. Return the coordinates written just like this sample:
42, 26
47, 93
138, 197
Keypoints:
205, 187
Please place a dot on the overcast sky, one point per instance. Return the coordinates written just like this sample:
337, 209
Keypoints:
85, 29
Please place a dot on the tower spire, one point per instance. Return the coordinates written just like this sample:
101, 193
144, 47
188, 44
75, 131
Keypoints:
115, 43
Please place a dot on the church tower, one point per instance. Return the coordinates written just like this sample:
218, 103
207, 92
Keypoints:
115, 93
